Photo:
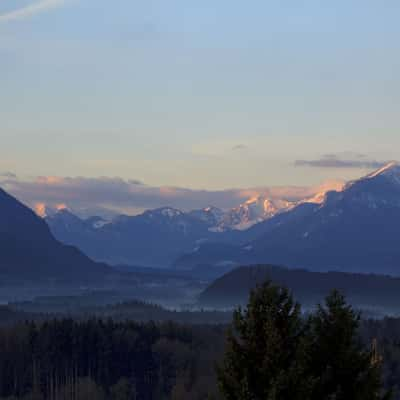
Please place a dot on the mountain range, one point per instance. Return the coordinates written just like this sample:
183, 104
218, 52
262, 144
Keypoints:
356, 229
153, 239
158, 237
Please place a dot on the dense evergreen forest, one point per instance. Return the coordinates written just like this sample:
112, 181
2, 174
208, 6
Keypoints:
97, 359
110, 356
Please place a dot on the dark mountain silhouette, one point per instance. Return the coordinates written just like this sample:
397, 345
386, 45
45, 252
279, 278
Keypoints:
29, 251
373, 292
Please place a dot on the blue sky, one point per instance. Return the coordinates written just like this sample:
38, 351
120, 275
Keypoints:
210, 94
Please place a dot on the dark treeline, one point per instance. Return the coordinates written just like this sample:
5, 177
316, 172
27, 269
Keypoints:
140, 311
10, 315
96, 359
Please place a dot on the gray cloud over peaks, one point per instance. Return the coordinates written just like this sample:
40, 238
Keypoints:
336, 161
8, 175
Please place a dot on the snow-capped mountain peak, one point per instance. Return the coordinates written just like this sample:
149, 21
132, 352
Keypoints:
321, 197
168, 212
44, 210
390, 170
253, 211
261, 206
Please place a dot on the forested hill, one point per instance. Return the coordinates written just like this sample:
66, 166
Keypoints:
367, 291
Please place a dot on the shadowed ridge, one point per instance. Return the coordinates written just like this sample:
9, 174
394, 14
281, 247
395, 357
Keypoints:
29, 251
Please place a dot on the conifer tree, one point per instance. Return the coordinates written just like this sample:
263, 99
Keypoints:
266, 352
345, 370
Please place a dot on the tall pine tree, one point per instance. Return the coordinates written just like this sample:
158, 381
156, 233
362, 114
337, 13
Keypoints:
345, 370
265, 356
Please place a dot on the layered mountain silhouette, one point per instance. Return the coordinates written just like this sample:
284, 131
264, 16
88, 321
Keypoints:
357, 229
155, 238
158, 237
28, 251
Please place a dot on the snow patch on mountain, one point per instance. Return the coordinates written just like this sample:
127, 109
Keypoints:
212, 216
168, 212
97, 222
253, 211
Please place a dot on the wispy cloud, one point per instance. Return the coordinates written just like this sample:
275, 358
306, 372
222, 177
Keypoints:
239, 147
30, 10
335, 161
8, 175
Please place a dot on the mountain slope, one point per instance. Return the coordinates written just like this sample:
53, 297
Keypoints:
154, 238
357, 229
29, 251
